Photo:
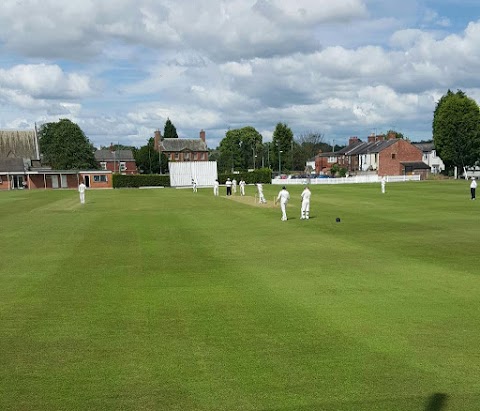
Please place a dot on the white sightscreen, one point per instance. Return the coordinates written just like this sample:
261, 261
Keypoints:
182, 173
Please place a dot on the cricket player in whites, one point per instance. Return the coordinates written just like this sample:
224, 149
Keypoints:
81, 189
283, 197
242, 187
261, 197
306, 194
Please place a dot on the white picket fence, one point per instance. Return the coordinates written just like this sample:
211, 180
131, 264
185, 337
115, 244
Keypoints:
344, 180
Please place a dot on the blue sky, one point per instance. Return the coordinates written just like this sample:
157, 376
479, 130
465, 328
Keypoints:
343, 68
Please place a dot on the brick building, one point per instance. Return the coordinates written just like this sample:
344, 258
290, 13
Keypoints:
21, 168
182, 149
385, 155
117, 161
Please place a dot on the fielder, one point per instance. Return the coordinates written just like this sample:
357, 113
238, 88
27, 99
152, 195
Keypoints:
242, 187
81, 189
473, 187
216, 186
194, 185
283, 196
306, 194
234, 186
261, 197
382, 183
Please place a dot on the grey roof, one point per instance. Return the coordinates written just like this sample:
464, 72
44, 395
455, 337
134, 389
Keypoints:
18, 144
425, 147
346, 150
183, 144
119, 155
381, 145
11, 165
416, 165
360, 147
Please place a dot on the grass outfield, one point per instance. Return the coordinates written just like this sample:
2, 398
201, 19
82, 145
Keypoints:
169, 300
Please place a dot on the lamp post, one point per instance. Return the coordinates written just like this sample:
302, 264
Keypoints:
254, 157
279, 163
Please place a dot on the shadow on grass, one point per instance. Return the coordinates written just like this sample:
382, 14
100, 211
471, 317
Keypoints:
437, 402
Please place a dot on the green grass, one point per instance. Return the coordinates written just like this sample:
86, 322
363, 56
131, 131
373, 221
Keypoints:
166, 300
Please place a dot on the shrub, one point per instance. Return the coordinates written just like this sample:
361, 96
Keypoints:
140, 180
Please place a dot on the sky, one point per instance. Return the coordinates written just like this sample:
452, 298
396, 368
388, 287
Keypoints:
340, 68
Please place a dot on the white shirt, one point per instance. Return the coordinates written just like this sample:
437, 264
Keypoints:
473, 184
242, 183
283, 196
216, 184
259, 188
306, 194
228, 183
81, 188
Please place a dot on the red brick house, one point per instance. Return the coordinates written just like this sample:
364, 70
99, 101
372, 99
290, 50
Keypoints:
119, 161
385, 155
401, 158
182, 149
325, 161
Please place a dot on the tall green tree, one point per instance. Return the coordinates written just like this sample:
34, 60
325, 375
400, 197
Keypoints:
456, 130
169, 130
240, 149
282, 143
65, 147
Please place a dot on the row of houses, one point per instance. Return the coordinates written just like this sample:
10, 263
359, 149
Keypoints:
383, 155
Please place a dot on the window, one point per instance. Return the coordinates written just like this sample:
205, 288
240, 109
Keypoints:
123, 165
332, 159
195, 156
176, 156
186, 156
103, 165
102, 178
393, 156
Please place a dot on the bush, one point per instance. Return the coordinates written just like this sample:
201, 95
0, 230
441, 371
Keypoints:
262, 175
140, 180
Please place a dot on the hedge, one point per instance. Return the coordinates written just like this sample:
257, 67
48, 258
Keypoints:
140, 180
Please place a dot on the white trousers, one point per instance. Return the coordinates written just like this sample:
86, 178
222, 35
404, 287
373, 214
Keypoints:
215, 191
242, 190
305, 209
283, 206
82, 198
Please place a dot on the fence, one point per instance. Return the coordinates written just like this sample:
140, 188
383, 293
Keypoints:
345, 180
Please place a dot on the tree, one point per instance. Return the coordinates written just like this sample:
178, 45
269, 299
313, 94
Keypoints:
169, 131
307, 146
456, 132
148, 159
282, 143
65, 147
241, 149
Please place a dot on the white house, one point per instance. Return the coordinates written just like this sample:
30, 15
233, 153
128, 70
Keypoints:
430, 157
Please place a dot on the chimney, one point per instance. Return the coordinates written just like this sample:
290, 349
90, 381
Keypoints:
371, 138
156, 140
381, 137
202, 135
352, 140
